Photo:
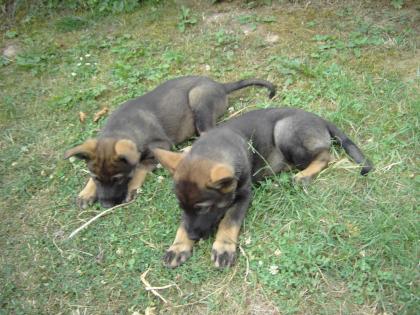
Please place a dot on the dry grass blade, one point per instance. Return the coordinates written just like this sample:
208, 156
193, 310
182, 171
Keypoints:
247, 262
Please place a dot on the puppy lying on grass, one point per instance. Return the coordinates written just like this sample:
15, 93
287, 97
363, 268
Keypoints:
120, 158
213, 180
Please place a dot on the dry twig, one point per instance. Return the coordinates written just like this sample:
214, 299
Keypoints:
159, 288
150, 288
237, 112
103, 213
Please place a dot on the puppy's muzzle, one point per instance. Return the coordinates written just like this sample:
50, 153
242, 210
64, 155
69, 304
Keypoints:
196, 235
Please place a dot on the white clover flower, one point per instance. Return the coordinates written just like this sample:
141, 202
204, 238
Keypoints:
274, 269
248, 240
79, 64
87, 55
73, 74
277, 252
160, 179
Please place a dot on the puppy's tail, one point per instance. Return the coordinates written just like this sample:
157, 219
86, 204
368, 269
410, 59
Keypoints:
233, 86
350, 148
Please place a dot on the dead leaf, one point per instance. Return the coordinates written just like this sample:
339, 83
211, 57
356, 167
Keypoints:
100, 114
82, 117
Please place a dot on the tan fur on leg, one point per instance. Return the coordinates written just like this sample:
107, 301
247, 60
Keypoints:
224, 247
313, 169
137, 181
88, 195
180, 250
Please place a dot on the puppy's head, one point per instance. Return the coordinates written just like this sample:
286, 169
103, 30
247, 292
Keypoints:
205, 190
111, 163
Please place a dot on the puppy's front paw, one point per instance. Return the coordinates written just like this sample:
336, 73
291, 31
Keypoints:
177, 255
223, 253
130, 195
302, 179
83, 201
87, 196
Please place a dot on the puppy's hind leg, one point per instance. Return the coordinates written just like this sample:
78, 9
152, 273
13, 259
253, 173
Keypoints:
319, 163
206, 105
305, 142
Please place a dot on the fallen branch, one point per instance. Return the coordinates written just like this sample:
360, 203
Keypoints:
103, 213
152, 289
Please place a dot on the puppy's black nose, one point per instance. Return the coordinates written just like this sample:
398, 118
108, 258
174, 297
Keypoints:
196, 235
107, 203
193, 235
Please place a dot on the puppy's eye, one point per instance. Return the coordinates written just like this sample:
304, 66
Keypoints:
203, 207
95, 177
118, 178
203, 210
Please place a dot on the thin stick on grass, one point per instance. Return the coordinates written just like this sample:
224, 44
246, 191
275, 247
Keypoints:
237, 112
150, 288
103, 213
165, 287
160, 288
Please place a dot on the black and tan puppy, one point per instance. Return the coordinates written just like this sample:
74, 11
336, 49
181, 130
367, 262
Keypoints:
120, 158
213, 180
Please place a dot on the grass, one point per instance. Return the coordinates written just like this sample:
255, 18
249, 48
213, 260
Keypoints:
346, 244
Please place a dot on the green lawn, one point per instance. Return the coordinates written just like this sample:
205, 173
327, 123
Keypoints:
347, 244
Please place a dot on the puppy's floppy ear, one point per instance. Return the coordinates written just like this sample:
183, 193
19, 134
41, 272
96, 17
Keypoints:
222, 178
169, 160
126, 150
85, 151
